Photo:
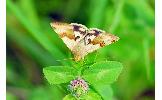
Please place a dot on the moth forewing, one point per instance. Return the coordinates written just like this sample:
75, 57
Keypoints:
65, 32
84, 47
108, 38
96, 42
61, 28
79, 31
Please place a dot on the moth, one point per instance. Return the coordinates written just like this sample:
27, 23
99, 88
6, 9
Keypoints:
81, 40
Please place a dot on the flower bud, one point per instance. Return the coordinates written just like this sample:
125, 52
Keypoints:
78, 87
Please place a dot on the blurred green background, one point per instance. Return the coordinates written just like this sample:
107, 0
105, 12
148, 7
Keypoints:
32, 44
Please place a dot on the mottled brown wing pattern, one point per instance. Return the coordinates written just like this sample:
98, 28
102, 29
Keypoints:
81, 40
79, 31
104, 39
71, 34
94, 39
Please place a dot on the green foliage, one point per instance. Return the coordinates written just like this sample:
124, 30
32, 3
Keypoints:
104, 90
90, 96
59, 74
39, 94
104, 72
69, 97
98, 75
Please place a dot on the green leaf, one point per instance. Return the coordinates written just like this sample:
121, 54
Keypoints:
69, 97
59, 74
105, 91
92, 96
90, 58
104, 72
89, 96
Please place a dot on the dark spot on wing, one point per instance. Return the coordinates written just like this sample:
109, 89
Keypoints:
89, 34
77, 38
113, 41
77, 28
102, 44
89, 41
97, 32
88, 38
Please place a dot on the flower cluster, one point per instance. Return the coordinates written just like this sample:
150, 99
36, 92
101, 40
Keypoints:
78, 87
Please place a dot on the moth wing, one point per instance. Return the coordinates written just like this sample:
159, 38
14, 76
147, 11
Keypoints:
71, 34
104, 39
95, 39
